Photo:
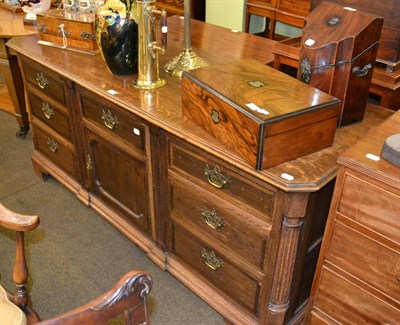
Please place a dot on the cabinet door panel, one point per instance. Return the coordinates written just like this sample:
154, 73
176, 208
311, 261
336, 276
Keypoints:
119, 179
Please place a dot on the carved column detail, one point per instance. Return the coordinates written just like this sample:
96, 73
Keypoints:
293, 214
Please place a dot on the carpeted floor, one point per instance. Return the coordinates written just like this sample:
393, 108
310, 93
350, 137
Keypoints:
75, 255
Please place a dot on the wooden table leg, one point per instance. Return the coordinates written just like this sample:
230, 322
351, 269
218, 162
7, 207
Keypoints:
13, 79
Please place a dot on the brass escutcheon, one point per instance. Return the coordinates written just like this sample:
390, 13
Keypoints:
256, 83
215, 177
47, 111
211, 218
215, 116
42, 81
211, 260
86, 35
110, 121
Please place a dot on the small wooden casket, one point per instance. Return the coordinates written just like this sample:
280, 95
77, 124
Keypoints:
262, 114
67, 30
337, 55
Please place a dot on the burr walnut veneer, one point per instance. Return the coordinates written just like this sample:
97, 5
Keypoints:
245, 241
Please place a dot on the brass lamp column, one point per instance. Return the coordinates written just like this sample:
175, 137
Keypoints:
187, 60
148, 71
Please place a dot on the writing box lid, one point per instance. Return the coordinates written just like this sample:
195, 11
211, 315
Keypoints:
259, 91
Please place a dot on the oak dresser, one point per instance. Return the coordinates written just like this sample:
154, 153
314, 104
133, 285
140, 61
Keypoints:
245, 241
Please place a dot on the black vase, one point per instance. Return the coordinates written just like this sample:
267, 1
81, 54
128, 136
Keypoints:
117, 36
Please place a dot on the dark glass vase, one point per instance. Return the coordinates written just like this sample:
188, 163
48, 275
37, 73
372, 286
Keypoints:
116, 35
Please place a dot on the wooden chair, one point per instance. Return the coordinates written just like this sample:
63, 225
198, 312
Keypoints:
128, 295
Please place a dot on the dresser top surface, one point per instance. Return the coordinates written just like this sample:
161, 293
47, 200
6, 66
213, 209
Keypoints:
366, 154
163, 106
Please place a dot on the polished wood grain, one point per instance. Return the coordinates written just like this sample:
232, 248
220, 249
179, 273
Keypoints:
361, 245
163, 106
290, 108
339, 49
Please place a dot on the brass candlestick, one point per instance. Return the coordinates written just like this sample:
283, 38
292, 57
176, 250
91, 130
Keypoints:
187, 60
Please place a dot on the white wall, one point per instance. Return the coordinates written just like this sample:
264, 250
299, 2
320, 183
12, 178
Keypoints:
225, 13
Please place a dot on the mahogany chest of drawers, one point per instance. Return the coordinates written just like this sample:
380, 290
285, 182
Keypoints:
357, 278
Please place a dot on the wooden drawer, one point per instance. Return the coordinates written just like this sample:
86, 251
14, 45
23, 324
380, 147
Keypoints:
217, 269
360, 202
220, 178
347, 303
47, 81
366, 259
51, 113
58, 150
221, 221
112, 119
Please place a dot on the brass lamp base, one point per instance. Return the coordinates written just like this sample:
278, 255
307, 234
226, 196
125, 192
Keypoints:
187, 60
148, 84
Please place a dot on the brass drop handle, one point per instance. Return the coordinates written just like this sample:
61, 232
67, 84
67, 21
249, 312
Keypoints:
211, 218
211, 260
215, 177
52, 144
42, 81
362, 72
47, 111
110, 121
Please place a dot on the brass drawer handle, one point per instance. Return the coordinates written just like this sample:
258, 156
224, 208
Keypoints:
211, 260
211, 218
47, 111
362, 72
109, 121
52, 144
215, 177
42, 80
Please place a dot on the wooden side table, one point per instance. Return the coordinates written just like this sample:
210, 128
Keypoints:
12, 24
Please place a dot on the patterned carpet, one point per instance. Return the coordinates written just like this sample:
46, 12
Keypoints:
75, 255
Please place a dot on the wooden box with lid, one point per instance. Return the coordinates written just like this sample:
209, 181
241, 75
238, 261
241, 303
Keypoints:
260, 113
67, 30
337, 54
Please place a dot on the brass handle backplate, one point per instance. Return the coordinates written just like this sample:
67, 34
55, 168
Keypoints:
211, 260
89, 163
215, 177
42, 80
211, 218
42, 28
47, 111
109, 121
52, 144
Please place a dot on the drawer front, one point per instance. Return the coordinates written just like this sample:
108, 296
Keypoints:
216, 269
218, 177
366, 259
45, 80
349, 304
112, 119
371, 206
220, 220
55, 150
51, 114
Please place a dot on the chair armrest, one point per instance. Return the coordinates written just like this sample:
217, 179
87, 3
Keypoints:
17, 222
